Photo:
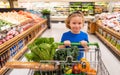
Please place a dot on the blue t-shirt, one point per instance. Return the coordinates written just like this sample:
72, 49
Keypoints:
74, 37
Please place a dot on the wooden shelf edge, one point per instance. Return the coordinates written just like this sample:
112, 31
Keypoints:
108, 44
22, 51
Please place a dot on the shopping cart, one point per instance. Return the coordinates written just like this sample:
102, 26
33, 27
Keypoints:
93, 56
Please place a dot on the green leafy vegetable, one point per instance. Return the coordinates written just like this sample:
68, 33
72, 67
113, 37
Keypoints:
61, 54
42, 49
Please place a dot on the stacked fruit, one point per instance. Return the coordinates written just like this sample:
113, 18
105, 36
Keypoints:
14, 23
82, 68
34, 17
14, 17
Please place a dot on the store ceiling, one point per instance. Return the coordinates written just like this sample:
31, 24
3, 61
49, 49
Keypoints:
68, 0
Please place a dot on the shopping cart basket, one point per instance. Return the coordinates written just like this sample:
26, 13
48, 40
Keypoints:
60, 67
93, 56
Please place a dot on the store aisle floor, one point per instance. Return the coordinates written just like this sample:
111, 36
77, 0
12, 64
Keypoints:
110, 61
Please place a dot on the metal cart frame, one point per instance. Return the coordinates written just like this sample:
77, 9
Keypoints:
93, 56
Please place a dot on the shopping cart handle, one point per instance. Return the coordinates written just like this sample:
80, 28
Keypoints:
77, 44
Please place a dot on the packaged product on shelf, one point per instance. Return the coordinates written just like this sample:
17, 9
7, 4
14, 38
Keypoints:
118, 44
3, 58
104, 34
113, 40
108, 37
100, 31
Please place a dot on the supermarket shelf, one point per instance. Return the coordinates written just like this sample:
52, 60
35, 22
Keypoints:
108, 44
111, 31
18, 37
39, 28
21, 52
62, 18
58, 18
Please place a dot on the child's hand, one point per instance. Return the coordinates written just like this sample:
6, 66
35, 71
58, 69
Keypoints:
84, 44
67, 43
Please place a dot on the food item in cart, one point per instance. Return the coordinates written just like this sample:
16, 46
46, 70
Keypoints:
27, 65
47, 67
62, 54
68, 70
83, 59
37, 73
85, 64
75, 69
32, 56
31, 65
79, 66
43, 48
91, 71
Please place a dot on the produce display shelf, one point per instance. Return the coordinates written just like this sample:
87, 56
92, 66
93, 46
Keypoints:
32, 33
18, 37
108, 30
62, 18
108, 43
20, 53
109, 36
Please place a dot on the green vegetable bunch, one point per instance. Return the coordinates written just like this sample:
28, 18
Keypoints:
61, 54
42, 49
45, 11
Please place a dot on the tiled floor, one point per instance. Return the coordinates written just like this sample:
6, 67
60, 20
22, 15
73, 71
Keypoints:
112, 64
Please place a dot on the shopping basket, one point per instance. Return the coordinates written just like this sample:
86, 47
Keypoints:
65, 67
93, 56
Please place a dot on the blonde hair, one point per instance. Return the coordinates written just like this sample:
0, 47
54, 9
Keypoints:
74, 14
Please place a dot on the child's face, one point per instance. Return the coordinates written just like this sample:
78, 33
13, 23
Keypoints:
76, 24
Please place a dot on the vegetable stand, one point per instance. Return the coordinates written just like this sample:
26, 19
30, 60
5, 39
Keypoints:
14, 48
90, 64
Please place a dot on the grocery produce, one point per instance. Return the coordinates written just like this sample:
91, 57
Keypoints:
42, 49
31, 65
75, 69
85, 65
4, 24
91, 72
61, 54
68, 70
30, 15
110, 20
13, 23
14, 18
79, 68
